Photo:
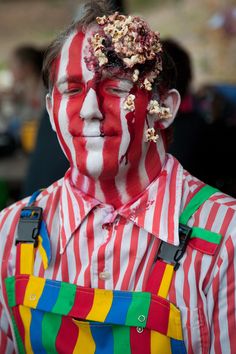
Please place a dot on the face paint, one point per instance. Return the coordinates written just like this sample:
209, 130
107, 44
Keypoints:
103, 141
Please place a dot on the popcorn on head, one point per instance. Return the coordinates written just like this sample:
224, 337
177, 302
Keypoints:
147, 85
102, 59
101, 20
135, 75
165, 113
151, 135
132, 42
154, 107
129, 103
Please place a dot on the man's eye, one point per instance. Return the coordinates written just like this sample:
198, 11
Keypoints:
117, 91
73, 91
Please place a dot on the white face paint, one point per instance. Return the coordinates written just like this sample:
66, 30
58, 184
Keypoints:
102, 140
90, 112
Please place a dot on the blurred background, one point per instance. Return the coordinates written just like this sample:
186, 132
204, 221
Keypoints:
201, 37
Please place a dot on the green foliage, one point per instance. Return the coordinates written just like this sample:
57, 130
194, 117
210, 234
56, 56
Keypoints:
3, 65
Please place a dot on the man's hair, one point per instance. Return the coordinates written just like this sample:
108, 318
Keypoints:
182, 62
91, 10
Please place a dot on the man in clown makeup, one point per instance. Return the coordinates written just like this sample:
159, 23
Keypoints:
128, 253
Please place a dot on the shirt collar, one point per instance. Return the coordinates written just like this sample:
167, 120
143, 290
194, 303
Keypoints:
73, 208
156, 210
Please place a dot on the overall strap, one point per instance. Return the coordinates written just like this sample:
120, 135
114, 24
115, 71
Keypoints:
31, 234
168, 256
198, 199
167, 262
203, 240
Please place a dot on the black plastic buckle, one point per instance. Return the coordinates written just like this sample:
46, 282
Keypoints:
29, 225
172, 254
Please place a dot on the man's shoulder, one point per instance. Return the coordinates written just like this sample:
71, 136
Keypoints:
192, 185
217, 213
51, 193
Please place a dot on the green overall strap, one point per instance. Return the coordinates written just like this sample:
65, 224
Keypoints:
198, 199
168, 256
201, 239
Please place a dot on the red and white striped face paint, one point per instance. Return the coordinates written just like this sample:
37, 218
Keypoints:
104, 142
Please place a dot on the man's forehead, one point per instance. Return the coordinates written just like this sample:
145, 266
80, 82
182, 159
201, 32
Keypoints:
116, 73
80, 39
73, 56
76, 46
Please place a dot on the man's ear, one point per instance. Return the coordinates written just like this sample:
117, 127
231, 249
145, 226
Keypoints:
49, 109
172, 101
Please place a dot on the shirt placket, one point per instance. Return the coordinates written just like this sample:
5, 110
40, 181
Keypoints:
101, 261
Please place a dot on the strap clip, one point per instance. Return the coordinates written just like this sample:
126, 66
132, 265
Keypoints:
29, 225
173, 254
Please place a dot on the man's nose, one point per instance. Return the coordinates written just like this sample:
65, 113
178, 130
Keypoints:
90, 107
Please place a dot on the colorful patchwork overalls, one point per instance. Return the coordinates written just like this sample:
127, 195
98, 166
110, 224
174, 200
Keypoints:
50, 316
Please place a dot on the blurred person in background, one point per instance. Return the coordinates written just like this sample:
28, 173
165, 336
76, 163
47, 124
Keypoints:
25, 99
21, 106
204, 130
217, 103
47, 163
128, 252
189, 127
26, 65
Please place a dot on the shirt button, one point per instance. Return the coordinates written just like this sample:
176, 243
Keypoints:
104, 275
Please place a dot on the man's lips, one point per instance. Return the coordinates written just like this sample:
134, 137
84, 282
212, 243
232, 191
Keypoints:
99, 135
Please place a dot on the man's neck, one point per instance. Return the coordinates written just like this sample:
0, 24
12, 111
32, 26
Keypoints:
125, 187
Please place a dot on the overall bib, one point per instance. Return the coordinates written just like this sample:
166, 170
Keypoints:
51, 316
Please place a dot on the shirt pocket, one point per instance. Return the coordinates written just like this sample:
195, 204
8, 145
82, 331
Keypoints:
195, 330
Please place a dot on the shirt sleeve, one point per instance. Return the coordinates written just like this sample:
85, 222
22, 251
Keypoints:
6, 342
6, 339
221, 301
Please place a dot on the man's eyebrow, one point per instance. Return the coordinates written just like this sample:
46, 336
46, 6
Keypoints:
117, 77
123, 78
70, 78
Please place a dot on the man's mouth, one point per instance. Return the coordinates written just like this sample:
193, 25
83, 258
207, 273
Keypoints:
97, 134
100, 135
93, 136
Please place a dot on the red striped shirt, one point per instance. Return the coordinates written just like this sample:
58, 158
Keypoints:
97, 246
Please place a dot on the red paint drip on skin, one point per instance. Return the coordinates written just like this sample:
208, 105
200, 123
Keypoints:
109, 106
153, 162
130, 117
130, 122
134, 185
75, 124
75, 104
100, 98
56, 107
164, 138
147, 122
110, 192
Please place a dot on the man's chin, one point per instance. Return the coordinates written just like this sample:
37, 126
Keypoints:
99, 174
